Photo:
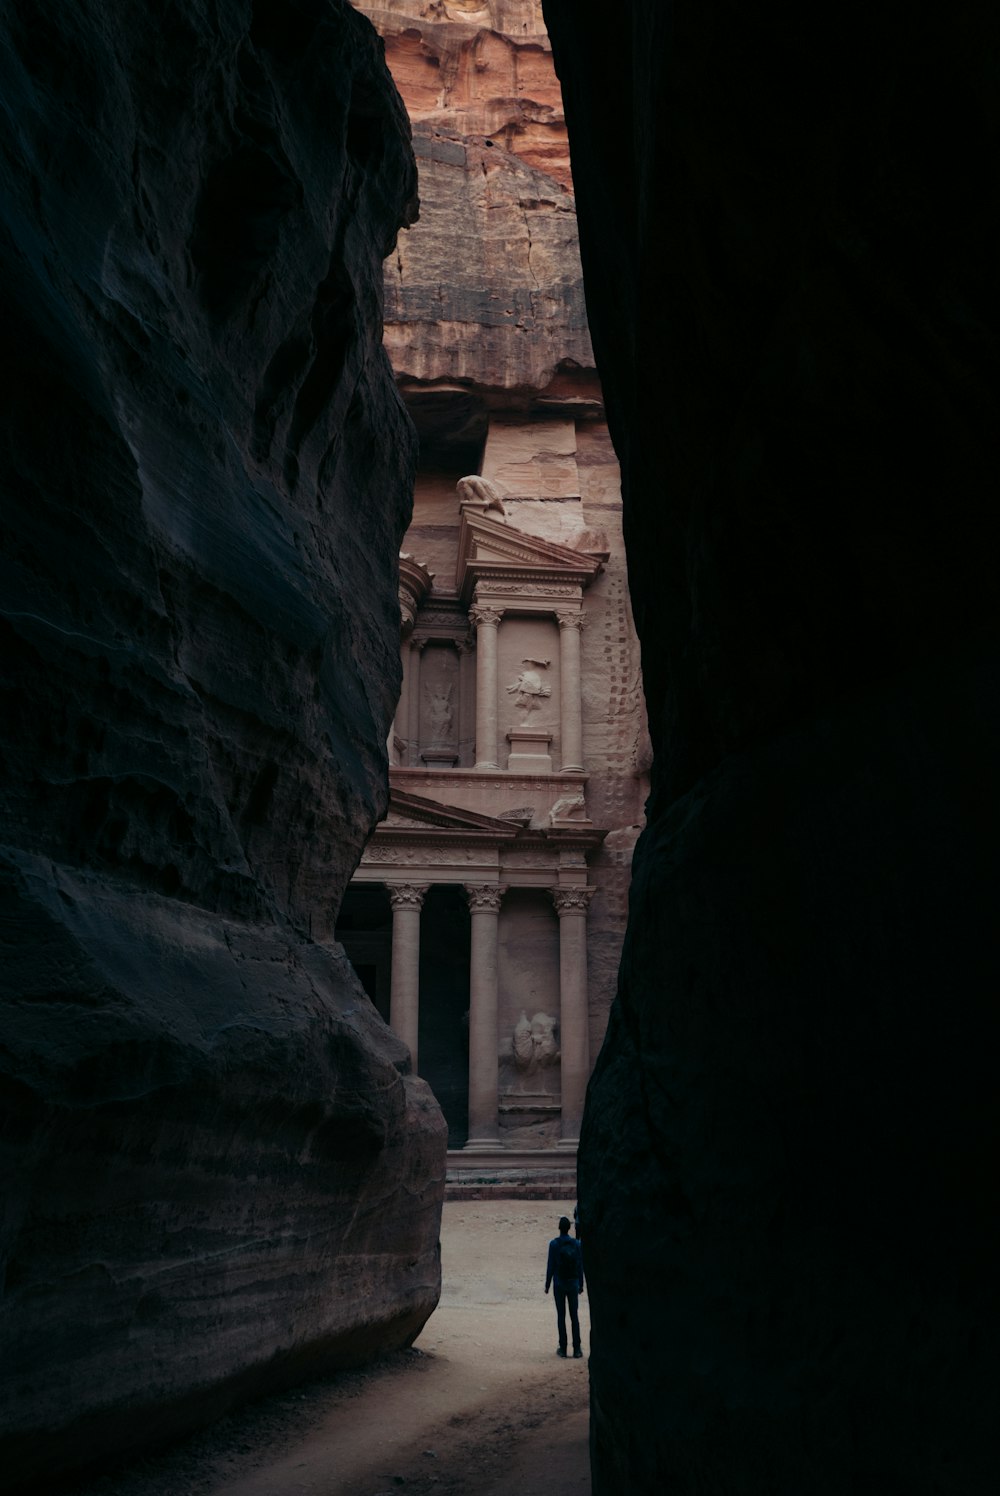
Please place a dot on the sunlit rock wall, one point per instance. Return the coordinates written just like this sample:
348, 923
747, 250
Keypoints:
488, 290
216, 1173
789, 233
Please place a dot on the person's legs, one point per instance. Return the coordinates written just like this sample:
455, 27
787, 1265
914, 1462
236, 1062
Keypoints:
559, 1295
573, 1300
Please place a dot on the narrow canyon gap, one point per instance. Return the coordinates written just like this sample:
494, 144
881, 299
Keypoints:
788, 1162
218, 1173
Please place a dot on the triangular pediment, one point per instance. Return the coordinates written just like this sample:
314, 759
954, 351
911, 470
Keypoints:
418, 813
486, 544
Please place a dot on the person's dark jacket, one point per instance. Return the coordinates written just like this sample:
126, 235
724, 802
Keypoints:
554, 1268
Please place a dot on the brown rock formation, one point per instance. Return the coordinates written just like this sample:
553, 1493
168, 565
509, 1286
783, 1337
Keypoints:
786, 1174
479, 68
487, 288
216, 1172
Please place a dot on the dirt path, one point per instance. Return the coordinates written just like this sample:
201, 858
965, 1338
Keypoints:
481, 1406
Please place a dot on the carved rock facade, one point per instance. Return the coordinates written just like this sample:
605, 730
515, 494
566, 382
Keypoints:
519, 741
787, 1163
218, 1173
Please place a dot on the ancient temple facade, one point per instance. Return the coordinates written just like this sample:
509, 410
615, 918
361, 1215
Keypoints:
486, 917
487, 913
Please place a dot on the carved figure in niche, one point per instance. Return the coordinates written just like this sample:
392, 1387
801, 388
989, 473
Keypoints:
568, 808
476, 490
529, 690
534, 1043
440, 713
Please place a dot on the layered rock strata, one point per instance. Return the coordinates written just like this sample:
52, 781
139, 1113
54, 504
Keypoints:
218, 1174
478, 68
787, 1161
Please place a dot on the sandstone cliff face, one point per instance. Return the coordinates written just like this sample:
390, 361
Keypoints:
216, 1172
487, 291
790, 245
482, 70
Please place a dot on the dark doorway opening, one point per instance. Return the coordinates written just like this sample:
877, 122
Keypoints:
444, 1005
364, 929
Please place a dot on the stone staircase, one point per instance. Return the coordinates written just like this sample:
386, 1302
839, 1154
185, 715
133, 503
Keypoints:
510, 1175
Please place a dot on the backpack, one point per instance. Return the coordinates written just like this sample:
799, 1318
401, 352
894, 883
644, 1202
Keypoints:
567, 1271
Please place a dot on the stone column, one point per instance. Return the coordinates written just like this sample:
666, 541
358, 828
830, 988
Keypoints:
466, 701
484, 1057
487, 624
571, 689
413, 693
574, 1015
404, 992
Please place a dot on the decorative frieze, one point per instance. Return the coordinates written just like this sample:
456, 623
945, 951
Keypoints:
433, 856
526, 589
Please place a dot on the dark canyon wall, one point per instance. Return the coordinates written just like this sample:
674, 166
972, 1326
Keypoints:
217, 1173
789, 237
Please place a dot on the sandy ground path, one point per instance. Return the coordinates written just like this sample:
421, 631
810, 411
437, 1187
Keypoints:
481, 1406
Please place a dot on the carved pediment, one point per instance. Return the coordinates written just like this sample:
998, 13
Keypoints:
490, 548
412, 816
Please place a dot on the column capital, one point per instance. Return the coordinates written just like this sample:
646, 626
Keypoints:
571, 620
572, 900
485, 613
484, 896
406, 895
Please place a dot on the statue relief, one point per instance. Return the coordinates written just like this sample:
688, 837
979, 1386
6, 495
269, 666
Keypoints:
476, 490
529, 690
440, 712
534, 1043
569, 808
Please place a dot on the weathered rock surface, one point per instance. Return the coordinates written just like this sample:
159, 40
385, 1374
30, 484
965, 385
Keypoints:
487, 289
217, 1174
481, 70
786, 1171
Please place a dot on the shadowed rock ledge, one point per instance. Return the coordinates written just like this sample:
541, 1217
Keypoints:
789, 230
217, 1173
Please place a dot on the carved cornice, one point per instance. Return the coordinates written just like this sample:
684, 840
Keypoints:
572, 900
484, 896
407, 895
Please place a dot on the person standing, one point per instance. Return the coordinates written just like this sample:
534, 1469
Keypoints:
564, 1273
